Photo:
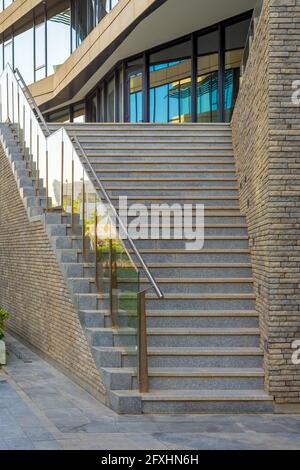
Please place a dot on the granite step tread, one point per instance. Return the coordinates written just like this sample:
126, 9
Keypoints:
198, 395
191, 371
187, 351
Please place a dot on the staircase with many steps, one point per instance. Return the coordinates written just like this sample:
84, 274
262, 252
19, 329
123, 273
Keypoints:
203, 337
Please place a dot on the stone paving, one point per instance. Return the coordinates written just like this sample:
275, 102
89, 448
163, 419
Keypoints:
40, 408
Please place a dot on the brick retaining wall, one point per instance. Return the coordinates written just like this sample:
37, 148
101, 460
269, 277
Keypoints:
266, 136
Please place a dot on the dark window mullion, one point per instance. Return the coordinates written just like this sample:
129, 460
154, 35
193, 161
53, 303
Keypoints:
46, 39
194, 77
34, 47
221, 80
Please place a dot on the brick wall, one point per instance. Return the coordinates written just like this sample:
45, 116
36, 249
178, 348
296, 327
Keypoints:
266, 135
33, 290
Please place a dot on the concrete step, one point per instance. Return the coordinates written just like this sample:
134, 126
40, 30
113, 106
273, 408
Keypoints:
195, 357
82, 285
93, 318
203, 337
195, 256
201, 270
153, 139
216, 202
187, 319
184, 164
198, 183
177, 193
177, 337
184, 128
99, 147
192, 401
170, 171
91, 301
209, 243
194, 286
202, 301
181, 378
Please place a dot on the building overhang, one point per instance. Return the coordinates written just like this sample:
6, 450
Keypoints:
131, 27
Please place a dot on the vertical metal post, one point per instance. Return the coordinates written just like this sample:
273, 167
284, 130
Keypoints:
19, 123
145, 88
143, 376
47, 180
96, 245
30, 143
113, 284
72, 196
221, 72
194, 103
37, 155
62, 174
1, 101
7, 97
83, 221
24, 131
12, 102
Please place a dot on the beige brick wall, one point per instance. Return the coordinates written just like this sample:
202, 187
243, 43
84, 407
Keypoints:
33, 290
266, 135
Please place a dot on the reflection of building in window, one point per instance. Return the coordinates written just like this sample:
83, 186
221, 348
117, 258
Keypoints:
58, 39
170, 92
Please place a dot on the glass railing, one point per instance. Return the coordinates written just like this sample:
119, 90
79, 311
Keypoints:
66, 182
252, 31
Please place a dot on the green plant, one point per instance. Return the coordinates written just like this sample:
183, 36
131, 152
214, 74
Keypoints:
3, 316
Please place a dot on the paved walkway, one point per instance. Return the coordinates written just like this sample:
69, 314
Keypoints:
41, 409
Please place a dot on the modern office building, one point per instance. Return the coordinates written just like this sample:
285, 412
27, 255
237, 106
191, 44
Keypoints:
164, 102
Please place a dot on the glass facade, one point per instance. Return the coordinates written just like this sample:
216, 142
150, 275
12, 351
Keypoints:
170, 84
58, 36
86, 14
49, 34
195, 79
5, 3
235, 40
72, 113
208, 77
23, 41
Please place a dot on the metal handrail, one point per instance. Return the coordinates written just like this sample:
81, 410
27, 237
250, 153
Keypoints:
142, 363
33, 102
102, 189
121, 224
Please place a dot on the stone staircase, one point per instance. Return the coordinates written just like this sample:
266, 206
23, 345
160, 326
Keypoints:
203, 338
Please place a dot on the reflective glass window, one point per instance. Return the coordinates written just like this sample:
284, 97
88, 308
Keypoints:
6, 3
207, 78
134, 93
23, 52
58, 36
79, 112
40, 48
110, 101
62, 115
170, 84
235, 40
102, 9
81, 21
92, 108
8, 51
1, 54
